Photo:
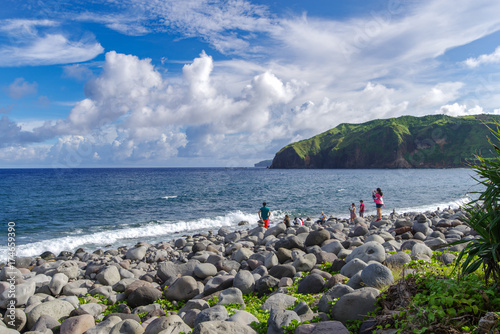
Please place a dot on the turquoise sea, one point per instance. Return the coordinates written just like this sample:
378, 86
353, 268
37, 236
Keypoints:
65, 209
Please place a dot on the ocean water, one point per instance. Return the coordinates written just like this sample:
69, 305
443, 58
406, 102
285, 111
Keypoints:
65, 209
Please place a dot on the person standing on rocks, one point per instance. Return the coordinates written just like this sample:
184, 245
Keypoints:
264, 214
361, 208
352, 209
379, 202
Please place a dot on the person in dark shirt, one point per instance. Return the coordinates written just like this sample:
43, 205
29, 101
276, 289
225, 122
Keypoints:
286, 221
264, 214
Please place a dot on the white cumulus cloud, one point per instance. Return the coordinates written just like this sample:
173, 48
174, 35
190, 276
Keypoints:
492, 58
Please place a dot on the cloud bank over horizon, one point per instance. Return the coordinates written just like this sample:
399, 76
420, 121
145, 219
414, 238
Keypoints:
261, 79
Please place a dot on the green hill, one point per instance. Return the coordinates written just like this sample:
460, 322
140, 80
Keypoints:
435, 141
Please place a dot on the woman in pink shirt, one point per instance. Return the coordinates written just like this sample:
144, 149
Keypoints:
379, 202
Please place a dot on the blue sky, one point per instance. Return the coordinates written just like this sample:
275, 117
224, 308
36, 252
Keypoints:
172, 83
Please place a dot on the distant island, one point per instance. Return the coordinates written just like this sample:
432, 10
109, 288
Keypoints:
434, 141
263, 164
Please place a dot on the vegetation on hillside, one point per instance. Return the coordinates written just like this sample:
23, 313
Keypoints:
433, 141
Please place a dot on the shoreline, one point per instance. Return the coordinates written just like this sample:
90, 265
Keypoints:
169, 237
228, 264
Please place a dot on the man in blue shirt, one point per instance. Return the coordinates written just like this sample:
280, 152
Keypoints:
264, 214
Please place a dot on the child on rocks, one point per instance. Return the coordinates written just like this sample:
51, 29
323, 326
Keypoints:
361, 208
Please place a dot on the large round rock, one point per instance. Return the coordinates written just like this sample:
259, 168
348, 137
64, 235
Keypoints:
377, 276
57, 309
355, 305
144, 295
204, 270
184, 288
369, 251
217, 312
313, 283
244, 281
317, 237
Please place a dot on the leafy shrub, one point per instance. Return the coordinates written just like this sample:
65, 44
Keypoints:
483, 215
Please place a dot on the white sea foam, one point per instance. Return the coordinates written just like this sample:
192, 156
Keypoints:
156, 231
148, 232
169, 197
432, 207
388, 209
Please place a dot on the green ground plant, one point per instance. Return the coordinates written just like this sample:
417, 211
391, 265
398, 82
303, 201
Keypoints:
432, 299
483, 215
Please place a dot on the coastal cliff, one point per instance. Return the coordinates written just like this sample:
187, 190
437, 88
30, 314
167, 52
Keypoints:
434, 141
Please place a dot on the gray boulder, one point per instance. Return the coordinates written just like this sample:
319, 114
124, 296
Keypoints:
279, 301
359, 230
217, 312
421, 249
397, 260
218, 283
333, 246
167, 325
204, 270
136, 253
275, 230
305, 263
143, 295
128, 326
69, 268
317, 237
375, 237
222, 327
104, 327
194, 304
369, 251
283, 270
377, 276
22, 294
352, 267
93, 309
16, 320
313, 283
422, 228
231, 296
57, 309
78, 324
325, 327
290, 242
279, 319
45, 322
355, 305
355, 281
325, 303
447, 258
271, 260
109, 276
435, 243
184, 288
243, 317
244, 281
57, 283
265, 283
169, 271
242, 254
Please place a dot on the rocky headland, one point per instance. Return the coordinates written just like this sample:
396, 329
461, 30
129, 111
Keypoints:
61, 293
434, 141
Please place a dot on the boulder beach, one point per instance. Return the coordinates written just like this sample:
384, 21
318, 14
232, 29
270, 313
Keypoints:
189, 284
